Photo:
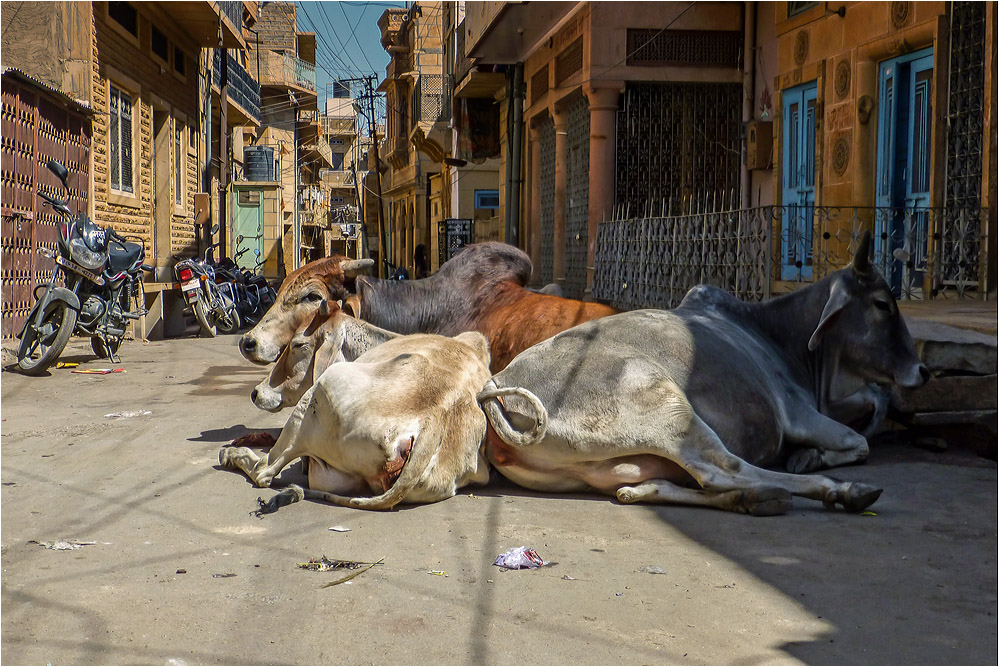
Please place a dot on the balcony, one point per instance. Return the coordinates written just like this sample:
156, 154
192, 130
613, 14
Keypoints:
201, 21
337, 178
333, 125
244, 91
284, 70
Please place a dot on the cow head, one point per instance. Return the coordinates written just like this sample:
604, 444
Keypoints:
861, 319
300, 297
311, 350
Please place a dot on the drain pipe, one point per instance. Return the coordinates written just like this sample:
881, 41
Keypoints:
515, 136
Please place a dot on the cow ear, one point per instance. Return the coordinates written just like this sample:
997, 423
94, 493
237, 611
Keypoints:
355, 267
324, 308
327, 354
839, 296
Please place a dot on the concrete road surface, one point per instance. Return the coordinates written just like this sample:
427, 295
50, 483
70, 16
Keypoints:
180, 571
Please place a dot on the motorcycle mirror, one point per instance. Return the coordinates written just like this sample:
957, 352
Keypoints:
215, 228
256, 251
60, 171
239, 239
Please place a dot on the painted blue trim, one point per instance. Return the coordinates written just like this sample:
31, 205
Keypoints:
798, 180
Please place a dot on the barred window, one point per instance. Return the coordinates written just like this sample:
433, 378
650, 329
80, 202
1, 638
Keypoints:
178, 165
121, 141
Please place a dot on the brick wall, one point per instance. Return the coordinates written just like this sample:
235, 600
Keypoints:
276, 26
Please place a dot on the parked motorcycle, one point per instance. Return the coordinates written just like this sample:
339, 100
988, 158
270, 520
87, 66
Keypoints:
213, 306
101, 274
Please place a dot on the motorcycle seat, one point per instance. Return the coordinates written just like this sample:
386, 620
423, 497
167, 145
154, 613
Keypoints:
122, 259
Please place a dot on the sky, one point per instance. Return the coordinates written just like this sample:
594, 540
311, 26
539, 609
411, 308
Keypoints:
348, 41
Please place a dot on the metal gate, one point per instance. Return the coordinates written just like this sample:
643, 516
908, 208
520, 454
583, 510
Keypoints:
677, 141
960, 241
37, 127
577, 195
546, 139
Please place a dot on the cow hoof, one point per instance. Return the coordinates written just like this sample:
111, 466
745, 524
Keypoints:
766, 501
225, 456
804, 460
858, 497
635, 494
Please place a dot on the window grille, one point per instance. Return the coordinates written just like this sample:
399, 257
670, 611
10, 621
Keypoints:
705, 48
121, 141
178, 163
569, 61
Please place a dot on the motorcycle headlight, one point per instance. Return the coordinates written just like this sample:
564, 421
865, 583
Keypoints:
84, 256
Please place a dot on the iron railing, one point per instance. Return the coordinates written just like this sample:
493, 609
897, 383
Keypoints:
233, 11
651, 260
243, 88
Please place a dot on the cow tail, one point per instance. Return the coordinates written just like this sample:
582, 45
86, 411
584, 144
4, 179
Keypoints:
489, 397
421, 457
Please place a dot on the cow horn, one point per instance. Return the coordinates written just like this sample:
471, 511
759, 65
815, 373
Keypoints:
355, 267
324, 308
862, 258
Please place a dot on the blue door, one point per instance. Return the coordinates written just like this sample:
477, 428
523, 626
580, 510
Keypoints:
905, 113
798, 182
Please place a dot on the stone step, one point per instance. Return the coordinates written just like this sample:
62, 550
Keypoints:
946, 349
949, 393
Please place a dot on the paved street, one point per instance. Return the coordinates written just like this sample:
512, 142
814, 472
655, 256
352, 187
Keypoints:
915, 583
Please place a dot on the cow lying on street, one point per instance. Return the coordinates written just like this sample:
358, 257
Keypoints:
480, 289
297, 300
683, 406
400, 422
329, 337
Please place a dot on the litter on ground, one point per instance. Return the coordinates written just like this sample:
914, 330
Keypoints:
128, 414
63, 545
520, 558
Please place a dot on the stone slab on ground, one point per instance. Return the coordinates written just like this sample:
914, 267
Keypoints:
945, 348
948, 393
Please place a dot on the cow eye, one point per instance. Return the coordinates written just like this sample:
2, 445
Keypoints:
882, 305
312, 297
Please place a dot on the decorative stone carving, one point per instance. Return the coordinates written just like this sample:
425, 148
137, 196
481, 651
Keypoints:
864, 107
801, 48
840, 156
841, 79
900, 12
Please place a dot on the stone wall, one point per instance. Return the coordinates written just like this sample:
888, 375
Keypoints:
129, 64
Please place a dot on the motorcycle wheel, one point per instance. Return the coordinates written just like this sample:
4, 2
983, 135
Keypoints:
104, 351
229, 322
206, 318
39, 350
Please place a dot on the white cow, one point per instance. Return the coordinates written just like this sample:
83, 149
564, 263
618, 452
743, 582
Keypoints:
400, 422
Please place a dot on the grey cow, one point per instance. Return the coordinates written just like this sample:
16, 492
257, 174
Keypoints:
684, 406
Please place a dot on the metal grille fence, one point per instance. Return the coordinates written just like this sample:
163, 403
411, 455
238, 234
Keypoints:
546, 139
577, 195
679, 139
652, 260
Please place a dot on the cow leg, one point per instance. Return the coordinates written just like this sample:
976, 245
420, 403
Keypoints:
702, 454
293, 443
758, 501
824, 443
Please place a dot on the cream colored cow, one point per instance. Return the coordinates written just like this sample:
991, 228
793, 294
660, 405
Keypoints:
400, 424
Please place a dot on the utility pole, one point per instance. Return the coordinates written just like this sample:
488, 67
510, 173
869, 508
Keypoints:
382, 239
223, 148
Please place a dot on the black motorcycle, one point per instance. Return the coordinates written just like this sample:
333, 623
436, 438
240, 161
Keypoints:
101, 276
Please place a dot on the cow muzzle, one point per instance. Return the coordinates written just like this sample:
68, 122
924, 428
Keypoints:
915, 376
266, 399
252, 350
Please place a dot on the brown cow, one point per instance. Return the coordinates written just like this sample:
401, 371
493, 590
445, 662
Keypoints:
480, 289
302, 292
